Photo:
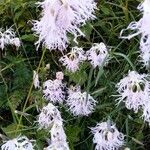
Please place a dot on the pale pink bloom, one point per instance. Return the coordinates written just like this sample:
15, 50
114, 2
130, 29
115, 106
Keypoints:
49, 33
19, 143
107, 137
60, 17
98, 54
49, 116
58, 139
54, 90
57, 133
58, 146
145, 56
73, 59
134, 90
141, 27
80, 104
8, 37
146, 112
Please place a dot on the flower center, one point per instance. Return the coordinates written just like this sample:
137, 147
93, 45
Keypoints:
108, 135
72, 56
137, 87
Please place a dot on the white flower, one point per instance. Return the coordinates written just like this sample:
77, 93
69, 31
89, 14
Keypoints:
58, 139
98, 54
8, 37
146, 112
19, 143
73, 59
107, 137
49, 34
36, 81
49, 116
145, 57
134, 90
16, 42
54, 90
144, 6
58, 146
142, 26
60, 17
57, 133
80, 103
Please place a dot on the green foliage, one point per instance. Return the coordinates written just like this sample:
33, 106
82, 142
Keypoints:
16, 69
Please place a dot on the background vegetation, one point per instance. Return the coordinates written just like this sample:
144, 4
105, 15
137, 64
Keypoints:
16, 70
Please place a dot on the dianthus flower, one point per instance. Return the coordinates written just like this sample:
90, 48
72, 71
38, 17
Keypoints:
58, 139
141, 27
98, 54
107, 137
60, 17
58, 146
49, 116
80, 104
8, 37
134, 90
54, 90
73, 59
19, 143
146, 112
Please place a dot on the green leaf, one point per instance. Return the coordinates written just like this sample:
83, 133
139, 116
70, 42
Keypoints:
28, 37
10, 130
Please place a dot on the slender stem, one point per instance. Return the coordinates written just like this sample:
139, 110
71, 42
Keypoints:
89, 82
89, 79
29, 93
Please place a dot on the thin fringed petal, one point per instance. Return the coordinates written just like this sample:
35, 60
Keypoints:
60, 17
107, 137
49, 116
80, 104
8, 37
58, 146
98, 55
19, 143
141, 27
54, 90
73, 59
134, 90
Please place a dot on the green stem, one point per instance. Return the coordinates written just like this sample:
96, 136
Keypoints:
29, 93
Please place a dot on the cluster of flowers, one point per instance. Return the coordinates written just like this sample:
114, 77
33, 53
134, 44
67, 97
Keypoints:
134, 89
80, 104
50, 119
97, 55
8, 37
142, 27
106, 135
58, 18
